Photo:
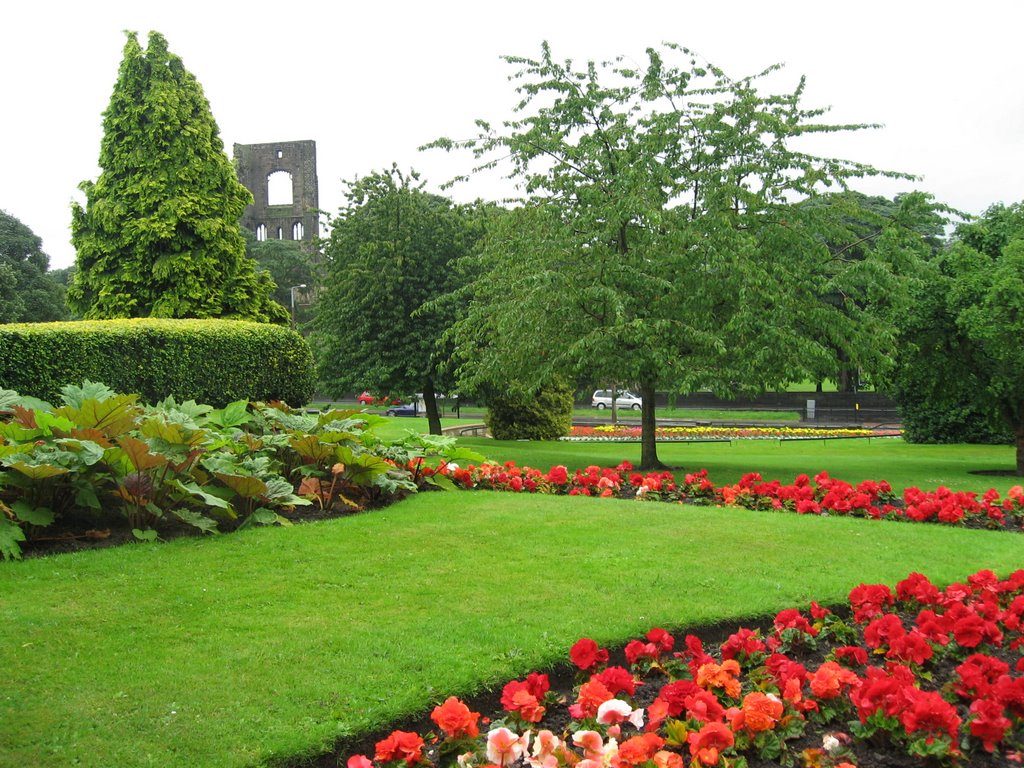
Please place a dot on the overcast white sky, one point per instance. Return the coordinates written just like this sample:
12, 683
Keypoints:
370, 82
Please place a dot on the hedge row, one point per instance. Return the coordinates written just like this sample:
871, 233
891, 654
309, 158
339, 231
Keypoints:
209, 361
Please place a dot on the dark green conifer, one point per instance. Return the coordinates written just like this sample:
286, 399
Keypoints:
159, 235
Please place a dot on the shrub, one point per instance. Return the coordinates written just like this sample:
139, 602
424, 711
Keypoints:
546, 415
209, 361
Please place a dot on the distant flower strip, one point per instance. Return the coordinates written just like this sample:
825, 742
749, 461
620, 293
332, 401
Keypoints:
848, 683
824, 495
609, 433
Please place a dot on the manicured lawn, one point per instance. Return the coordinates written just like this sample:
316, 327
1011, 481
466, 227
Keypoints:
268, 643
902, 464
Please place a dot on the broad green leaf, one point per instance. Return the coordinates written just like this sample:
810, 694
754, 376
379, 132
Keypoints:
310, 448
18, 433
208, 498
264, 516
10, 535
139, 455
76, 396
88, 452
245, 486
25, 512
38, 471
441, 481
232, 415
113, 416
52, 423
8, 399
147, 535
85, 496
195, 519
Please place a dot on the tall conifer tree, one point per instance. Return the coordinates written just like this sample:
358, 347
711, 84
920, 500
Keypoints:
159, 235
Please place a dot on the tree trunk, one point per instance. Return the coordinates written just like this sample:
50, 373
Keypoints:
648, 425
433, 417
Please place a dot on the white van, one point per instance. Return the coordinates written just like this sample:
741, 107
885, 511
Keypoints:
625, 399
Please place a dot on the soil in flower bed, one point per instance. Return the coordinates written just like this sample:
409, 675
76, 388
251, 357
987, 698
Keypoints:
62, 537
940, 685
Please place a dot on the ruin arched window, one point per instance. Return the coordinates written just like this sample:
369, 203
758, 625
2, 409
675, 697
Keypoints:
280, 233
261, 232
279, 188
298, 230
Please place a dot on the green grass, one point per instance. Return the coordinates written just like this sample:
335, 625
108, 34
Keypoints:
901, 463
268, 643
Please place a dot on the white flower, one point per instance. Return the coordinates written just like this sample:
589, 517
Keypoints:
830, 743
616, 711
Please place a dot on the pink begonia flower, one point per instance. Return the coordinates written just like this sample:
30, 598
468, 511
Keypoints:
504, 747
590, 742
544, 746
466, 759
615, 711
359, 761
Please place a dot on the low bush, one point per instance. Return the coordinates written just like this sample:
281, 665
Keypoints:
546, 415
209, 361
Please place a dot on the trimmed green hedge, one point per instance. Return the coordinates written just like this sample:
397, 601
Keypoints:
209, 361
546, 415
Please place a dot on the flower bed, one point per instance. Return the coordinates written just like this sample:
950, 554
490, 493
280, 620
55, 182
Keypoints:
915, 676
620, 433
823, 495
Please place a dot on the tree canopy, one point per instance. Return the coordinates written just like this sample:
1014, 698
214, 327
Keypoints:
659, 243
387, 262
962, 364
159, 235
28, 293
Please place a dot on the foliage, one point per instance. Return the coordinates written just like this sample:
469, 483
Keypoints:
387, 259
659, 242
962, 363
102, 454
289, 263
28, 293
542, 415
159, 234
851, 224
213, 361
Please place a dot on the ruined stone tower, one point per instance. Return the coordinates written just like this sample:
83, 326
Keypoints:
282, 178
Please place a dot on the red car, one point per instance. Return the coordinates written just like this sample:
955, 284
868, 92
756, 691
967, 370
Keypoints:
367, 399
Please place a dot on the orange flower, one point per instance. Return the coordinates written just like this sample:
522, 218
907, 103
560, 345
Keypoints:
832, 680
707, 744
592, 695
639, 749
760, 712
724, 676
454, 718
400, 745
666, 759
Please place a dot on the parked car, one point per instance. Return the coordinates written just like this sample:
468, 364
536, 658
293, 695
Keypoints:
624, 399
367, 399
402, 409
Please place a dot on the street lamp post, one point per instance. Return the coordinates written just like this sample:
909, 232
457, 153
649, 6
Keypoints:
292, 292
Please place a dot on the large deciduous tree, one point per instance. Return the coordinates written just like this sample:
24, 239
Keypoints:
658, 242
28, 293
962, 362
159, 235
387, 263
